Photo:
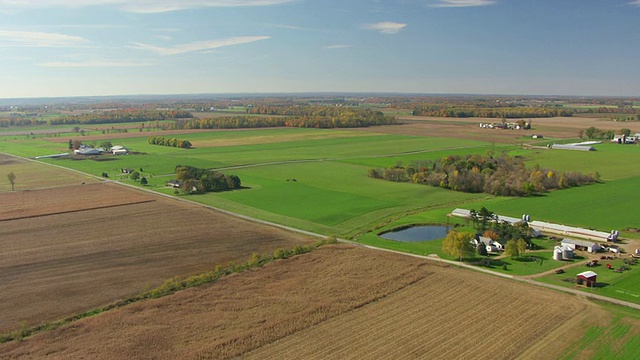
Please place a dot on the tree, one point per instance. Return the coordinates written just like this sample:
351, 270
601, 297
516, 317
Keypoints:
458, 244
12, 180
134, 176
522, 246
70, 144
143, 181
485, 217
512, 249
625, 132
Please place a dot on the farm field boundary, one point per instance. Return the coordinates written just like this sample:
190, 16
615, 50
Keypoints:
78, 210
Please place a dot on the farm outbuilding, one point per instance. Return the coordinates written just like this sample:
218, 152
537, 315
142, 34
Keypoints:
119, 150
572, 147
575, 244
588, 277
563, 253
176, 184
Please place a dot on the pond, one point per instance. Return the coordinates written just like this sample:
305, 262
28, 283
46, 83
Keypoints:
418, 233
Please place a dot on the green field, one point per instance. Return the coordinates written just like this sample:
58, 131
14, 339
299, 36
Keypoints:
316, 180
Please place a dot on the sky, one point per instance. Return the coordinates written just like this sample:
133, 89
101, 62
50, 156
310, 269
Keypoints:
59, 48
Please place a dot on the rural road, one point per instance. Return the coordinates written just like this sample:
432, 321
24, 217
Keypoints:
427, 257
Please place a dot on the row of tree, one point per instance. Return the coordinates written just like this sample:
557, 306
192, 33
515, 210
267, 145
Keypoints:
465, 111
307, 117
196, 180
595, 133
120, 116
502, 175
159, 140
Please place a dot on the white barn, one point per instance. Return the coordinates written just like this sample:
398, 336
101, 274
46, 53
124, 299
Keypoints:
590, 246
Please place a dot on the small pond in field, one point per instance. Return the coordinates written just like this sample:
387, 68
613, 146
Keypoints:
417, 233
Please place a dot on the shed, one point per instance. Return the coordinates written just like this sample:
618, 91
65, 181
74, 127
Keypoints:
575, 244
174, 183
589, 278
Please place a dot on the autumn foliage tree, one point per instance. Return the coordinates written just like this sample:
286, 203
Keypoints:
458, 244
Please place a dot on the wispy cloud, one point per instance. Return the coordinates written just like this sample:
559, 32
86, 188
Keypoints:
39, 39
139, 6
386, 27
337, 46
283, 26
636, 3
92, 64
198, 46
464, 3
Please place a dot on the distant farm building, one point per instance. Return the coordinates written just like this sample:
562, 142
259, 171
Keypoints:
563, 253
54, 156
490, 244
537, 136
572, 147
127, 170
84, 150
590, 246
174, 183
119, 150
588, 278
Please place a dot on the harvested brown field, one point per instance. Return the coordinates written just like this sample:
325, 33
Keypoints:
75, 248
33, 175
337, 302
554, 128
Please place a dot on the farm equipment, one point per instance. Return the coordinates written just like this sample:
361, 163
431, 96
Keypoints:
592, 263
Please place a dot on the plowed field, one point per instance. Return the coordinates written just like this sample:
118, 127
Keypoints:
67, 250
338, 302
32, 175
467, 128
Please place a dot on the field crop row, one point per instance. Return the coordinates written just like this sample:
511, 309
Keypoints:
335, 302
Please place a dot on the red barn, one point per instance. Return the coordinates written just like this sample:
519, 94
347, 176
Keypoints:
588, 277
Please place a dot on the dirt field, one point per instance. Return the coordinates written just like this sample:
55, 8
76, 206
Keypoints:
31, 175
334, 303
555, 128
78, 247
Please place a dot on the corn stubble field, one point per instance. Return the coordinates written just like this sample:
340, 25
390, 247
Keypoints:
70, 249
337, 302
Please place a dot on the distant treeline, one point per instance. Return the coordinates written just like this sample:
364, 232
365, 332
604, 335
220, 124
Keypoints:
120, 116
196, 180
295, 116
159, 140
503, 175
465, 111
20, 121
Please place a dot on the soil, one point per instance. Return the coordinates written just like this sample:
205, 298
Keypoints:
337, 302
552, 128
67, 250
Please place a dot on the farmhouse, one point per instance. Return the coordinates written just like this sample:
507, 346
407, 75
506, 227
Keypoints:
588, 277
575, 244
490, 244
127, 170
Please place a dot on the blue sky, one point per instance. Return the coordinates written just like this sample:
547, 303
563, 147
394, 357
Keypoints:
120, 47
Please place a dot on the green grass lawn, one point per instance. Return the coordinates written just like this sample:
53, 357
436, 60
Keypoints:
616, 340
624, 286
